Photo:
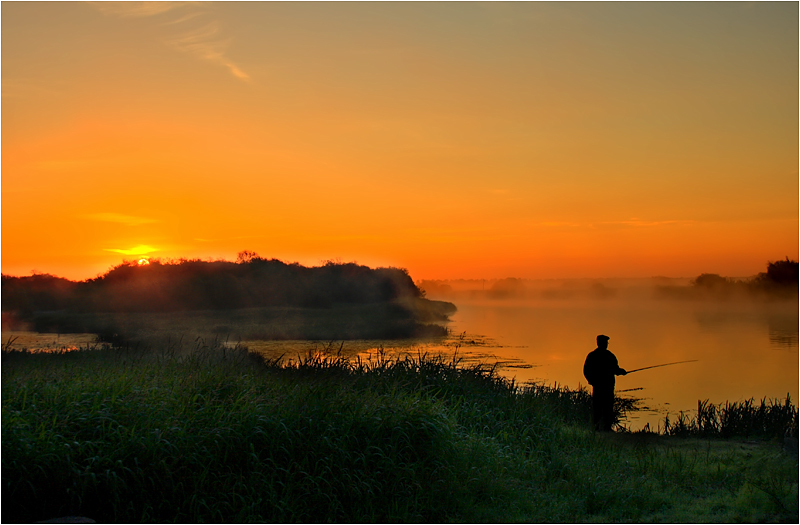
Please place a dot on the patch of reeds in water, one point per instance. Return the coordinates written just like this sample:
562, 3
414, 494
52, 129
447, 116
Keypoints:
769, 418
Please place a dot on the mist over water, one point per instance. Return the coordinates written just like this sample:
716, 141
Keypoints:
743, 336
745, 348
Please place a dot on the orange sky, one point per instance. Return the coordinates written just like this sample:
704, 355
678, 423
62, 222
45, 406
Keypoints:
458, 140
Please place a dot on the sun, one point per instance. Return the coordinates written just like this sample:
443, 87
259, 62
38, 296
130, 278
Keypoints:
144, 261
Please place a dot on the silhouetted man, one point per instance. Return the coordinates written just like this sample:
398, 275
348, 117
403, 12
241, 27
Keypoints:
599, 369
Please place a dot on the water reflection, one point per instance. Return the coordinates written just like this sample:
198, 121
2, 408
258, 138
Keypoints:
783, 331
464, 347
47, 343
740, 350
743, 350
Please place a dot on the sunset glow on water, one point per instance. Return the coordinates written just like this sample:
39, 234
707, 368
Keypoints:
738, 354
738, 351
47, 343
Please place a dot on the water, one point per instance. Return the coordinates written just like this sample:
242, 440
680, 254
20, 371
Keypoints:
38, 342
744, 350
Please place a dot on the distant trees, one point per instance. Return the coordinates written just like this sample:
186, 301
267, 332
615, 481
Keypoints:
780, 279
252, 281
781, 273
36, 292
431, 288
246, 256
507, 288
711, 281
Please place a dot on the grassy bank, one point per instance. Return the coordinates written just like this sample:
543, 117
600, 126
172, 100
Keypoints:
208, 434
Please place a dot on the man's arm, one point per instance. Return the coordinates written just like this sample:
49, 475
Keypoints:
588, 369
618, 371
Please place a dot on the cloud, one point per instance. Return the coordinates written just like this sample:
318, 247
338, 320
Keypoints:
638, 223
196, 35
141, 249
128, 220
204, 43
185, 18
557, 224
630, 223
228, 238
137, 9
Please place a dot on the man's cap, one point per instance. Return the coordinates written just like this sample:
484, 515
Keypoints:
602, 338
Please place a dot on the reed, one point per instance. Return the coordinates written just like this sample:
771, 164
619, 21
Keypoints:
770, 418
196, 432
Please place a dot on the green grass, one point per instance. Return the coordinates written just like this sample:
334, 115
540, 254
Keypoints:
207, 434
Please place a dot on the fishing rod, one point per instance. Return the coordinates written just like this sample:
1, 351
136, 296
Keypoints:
665, 364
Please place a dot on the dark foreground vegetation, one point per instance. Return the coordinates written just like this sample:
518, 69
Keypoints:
251, 298
216, 434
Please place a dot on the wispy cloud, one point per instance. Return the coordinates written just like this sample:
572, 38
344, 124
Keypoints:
141, 249
558, 224
639, 223
128, 220
630, 223
204, 42
228, 238
137, 9
185, 18
193, 32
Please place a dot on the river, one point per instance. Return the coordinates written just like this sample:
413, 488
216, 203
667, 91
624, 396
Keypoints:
743, 349
740, 349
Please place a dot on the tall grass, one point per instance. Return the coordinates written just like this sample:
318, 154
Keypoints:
770, 418
197, 433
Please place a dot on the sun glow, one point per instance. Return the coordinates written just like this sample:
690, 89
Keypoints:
456, 140
136, 250
144, 261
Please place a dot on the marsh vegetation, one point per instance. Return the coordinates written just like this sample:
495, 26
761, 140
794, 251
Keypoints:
143, 426
209, 433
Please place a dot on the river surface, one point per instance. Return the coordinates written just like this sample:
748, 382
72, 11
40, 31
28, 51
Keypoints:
742, 349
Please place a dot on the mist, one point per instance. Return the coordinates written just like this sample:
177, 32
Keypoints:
742, 332
778, 283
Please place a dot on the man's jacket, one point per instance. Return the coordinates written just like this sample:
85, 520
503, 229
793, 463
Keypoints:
600, 368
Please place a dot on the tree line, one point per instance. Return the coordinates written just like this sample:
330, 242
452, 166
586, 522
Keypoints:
251, 281
781, 279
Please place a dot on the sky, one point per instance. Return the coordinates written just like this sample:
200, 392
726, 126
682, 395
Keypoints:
456, 140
